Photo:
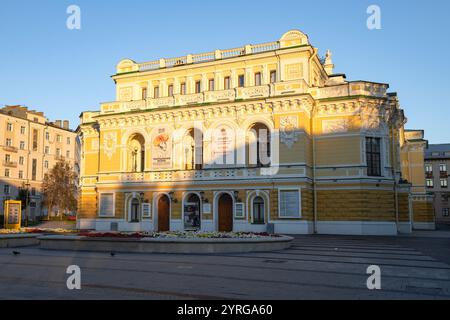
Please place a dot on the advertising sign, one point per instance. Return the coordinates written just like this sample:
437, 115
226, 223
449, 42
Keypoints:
13, 214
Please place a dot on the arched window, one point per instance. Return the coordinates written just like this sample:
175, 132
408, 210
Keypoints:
258, 210
136, 153
258, 145
193, 149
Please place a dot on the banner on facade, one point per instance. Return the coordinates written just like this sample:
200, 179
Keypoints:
162, 149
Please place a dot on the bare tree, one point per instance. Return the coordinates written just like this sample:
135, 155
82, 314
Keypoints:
59, 188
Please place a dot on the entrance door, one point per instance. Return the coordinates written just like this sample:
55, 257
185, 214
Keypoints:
163, 213
225, 213
134, 210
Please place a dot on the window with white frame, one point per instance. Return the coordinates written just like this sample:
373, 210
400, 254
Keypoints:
106, 205
289, 203
443, 167
445, 212
146, 210
429, 183
444, 183
22, 145
428, 168
22, 130
9, 126
239, 210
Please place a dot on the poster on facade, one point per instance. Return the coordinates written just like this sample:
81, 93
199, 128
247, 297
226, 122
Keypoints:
13, 214
223, 146
191, 216
162, 149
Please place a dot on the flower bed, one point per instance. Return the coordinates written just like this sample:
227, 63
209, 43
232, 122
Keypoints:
37, 230
177, 235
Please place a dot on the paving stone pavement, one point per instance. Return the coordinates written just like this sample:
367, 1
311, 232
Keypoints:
315, 267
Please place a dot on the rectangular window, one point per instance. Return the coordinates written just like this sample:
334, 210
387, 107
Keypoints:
47, 150
211, 85
443, 167
156, 92
7, 158
239, 210
8, 142
170, 90
445, 212
22, 130
46, 164
6, 189
226, 83
35, 139
47, 136
444, 183
68, 140
428, 168
144, 93
67, 154
273, 76
9, 126
373, 156
183, 88
59, 138
33, 169
146, 210
20, 174
22, 145
241, 81
58, 152
106, 205
21, 160
7, 173
429, 183
198, 86
258, 79
289, 204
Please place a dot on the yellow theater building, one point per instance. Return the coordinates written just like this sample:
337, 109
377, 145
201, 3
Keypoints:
257, 138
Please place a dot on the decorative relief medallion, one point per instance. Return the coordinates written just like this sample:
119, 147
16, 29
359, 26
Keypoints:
126, 94
109, 144
288, 130
335, 126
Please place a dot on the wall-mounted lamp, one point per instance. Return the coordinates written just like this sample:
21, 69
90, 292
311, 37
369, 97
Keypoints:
202, 196
172, 197
236, 196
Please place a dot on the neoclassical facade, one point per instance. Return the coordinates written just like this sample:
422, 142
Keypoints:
258, 138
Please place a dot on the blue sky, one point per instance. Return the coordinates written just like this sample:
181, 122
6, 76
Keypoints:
63, 72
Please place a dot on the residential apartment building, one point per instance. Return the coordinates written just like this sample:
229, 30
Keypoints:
437, 165
257, 138
30, 146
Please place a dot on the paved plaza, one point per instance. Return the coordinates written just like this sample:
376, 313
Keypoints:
315, 267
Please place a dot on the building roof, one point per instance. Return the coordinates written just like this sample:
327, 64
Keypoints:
438, 151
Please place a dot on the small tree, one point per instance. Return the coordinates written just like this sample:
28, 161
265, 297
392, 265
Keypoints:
59, 188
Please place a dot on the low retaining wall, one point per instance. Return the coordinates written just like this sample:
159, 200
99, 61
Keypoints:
165, 245
18, 240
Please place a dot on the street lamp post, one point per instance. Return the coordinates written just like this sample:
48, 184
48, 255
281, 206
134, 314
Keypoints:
27, 202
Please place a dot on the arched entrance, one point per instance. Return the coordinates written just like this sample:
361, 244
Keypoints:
192, 212
225, 213
163, 213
